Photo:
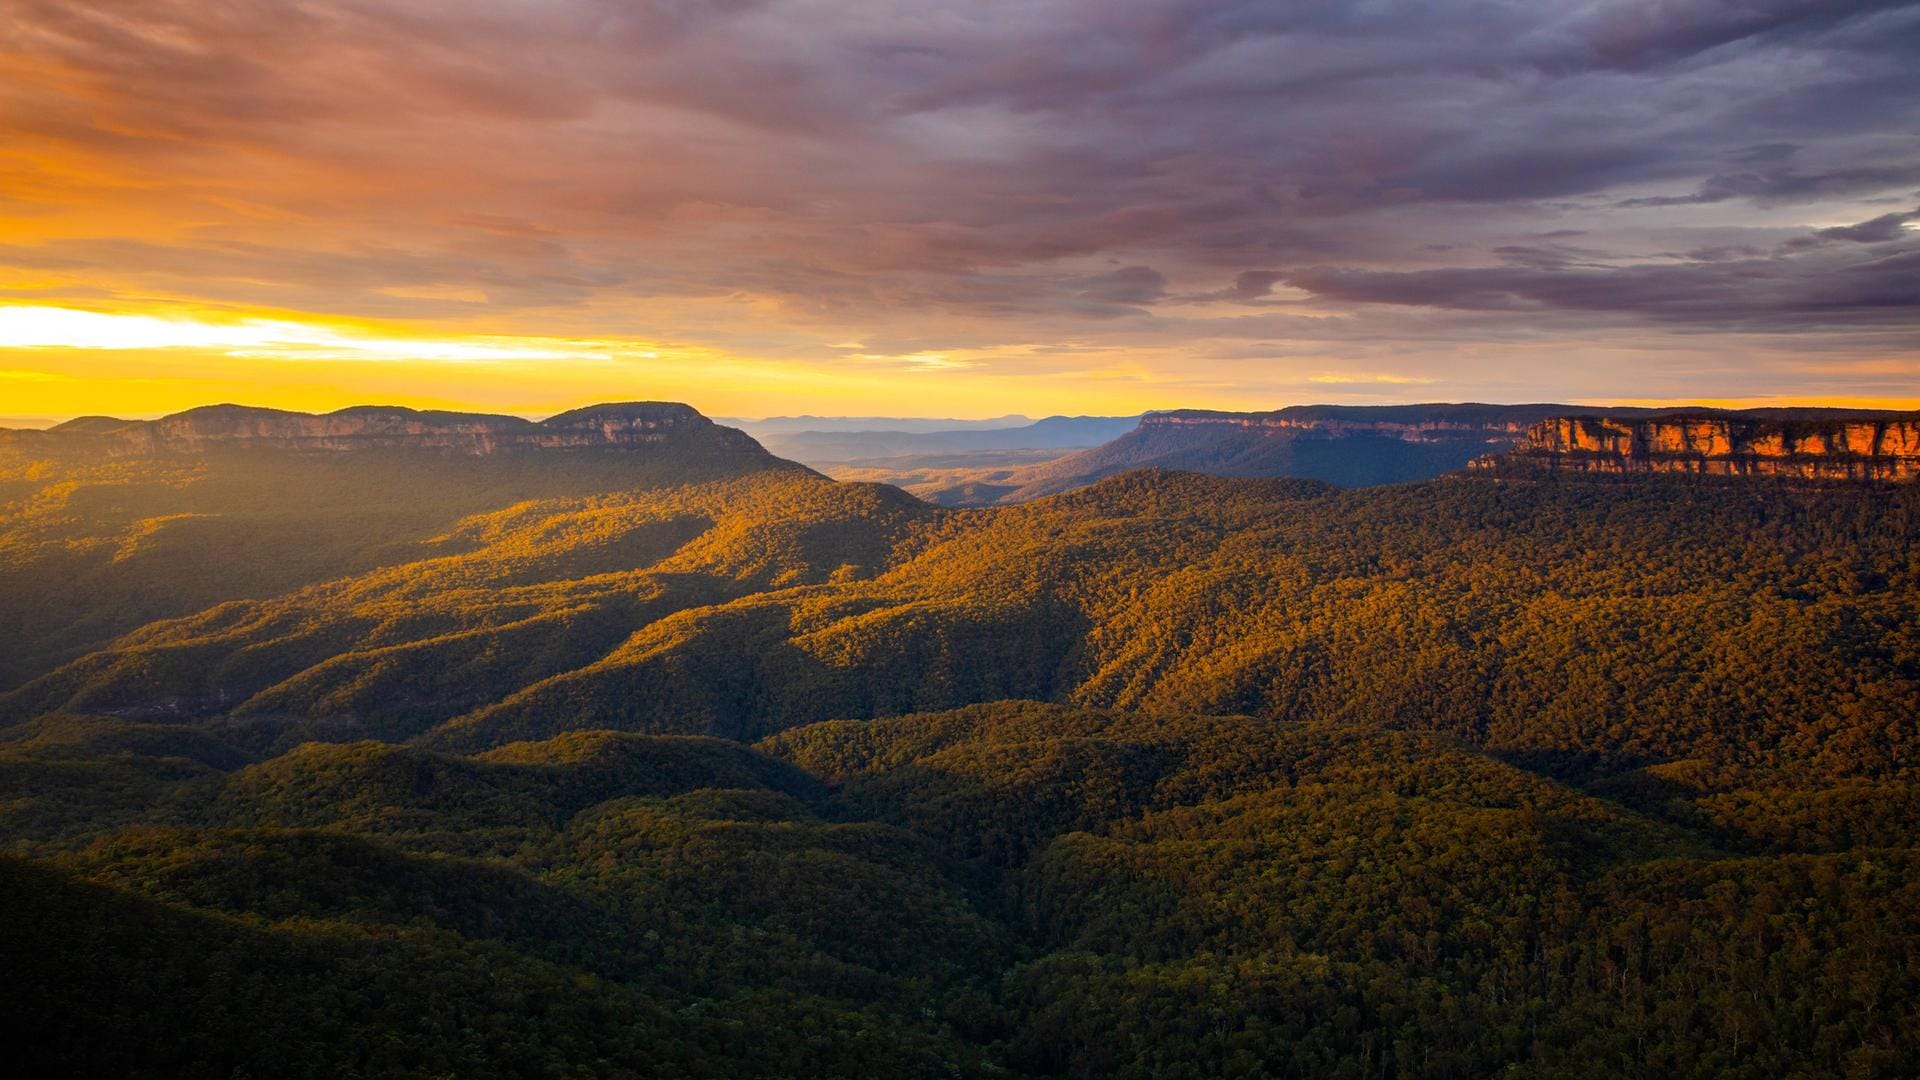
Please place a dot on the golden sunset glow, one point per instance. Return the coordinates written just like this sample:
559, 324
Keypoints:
331, 204
277, 339
960, 538
60, 362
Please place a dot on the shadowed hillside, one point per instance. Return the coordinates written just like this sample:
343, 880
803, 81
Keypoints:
1010, 888
106, 524
651, 760
1664, 618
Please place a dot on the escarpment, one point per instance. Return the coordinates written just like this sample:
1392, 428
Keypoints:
625, 425
1864, 447
1346, 445
1409, 423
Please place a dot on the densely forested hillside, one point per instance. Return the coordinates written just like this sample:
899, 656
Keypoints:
1742, 623
94, 544
1012, 888
445, 766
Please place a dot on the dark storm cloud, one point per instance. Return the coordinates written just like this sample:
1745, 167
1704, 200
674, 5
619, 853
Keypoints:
1647, 34
1801, 287
1877, 231
1776, 186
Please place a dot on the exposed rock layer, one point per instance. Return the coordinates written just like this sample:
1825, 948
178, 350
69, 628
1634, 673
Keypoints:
1881, 446
1409, 423
627, 425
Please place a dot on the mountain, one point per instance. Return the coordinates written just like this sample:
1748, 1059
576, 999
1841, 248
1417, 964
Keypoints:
628, 425
108, 524
329, 755
1055, 432
1359, 445
1349, 445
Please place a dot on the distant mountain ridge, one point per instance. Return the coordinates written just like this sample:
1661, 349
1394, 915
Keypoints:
616, 425
1348, 445
106, 523
1364, 445
1053, 432
1345, 445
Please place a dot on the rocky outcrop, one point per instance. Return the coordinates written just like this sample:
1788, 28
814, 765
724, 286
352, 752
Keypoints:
1861, 447
627, 425
1439, 423
1346, 445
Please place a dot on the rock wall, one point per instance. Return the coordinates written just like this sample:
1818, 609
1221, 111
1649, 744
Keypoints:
1878, 448
628, 425
1441, 424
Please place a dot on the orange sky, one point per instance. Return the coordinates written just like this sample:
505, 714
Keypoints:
893, 208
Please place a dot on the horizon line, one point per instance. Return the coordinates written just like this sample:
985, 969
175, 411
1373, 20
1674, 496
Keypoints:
43, 422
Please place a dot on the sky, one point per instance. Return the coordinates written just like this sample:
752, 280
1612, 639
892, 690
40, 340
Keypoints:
956, 207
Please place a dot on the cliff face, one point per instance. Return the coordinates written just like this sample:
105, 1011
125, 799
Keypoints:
631, 425
1345, 445
1500, 424
1409, 431
1882, 447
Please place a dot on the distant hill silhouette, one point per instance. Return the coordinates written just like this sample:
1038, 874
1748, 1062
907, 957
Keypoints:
1054, 432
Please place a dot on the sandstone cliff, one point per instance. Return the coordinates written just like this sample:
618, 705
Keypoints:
1878, 446
627, 425
1498, 424
1346, 445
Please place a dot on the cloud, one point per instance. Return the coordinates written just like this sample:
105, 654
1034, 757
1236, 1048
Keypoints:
1876, 231
1132, 286
1362, 378
775, 176
1798, 288
1776, 186
1248, 286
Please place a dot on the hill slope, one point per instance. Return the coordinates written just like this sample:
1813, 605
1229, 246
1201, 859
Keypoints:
106, 524
1348, 445
646, 763
1013, 888
1655, 620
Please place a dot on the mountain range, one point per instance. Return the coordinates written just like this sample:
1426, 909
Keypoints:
1357, 446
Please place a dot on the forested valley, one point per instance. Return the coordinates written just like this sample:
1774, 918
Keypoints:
578, 765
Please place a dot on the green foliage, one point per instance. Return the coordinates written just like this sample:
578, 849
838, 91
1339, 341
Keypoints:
1171, 776
1319, 900
94, 546
1588, 623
